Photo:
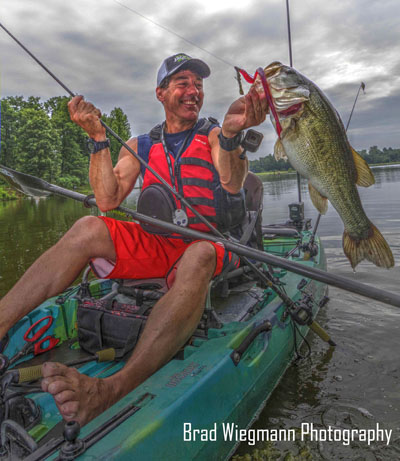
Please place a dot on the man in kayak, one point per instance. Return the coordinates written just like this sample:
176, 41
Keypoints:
210, 157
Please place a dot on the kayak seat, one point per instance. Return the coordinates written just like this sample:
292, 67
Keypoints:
251, 228
248, 233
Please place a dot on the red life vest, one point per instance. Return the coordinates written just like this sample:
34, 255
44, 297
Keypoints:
196, 179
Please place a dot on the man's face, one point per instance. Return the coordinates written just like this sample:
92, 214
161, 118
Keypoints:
184, 95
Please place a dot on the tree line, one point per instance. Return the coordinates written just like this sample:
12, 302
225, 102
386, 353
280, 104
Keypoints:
372, 156
39, 138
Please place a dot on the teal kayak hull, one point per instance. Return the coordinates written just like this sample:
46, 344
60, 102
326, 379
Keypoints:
200, 404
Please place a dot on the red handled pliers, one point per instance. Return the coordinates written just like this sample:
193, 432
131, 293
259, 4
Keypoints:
37, 339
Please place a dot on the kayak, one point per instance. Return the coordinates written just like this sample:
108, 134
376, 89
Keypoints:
197, 405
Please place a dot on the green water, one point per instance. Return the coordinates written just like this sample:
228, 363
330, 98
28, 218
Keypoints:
354, 386
29, 227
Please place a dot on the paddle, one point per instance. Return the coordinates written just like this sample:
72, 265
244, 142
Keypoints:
32, 185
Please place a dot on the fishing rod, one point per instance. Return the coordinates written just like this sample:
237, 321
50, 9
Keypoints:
291, 65
25, 182
265, 278
118, 138
362, 86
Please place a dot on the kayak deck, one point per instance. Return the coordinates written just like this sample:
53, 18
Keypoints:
201, 388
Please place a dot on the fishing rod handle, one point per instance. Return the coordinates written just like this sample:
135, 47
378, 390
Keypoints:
34, 373
28, 374
319, 331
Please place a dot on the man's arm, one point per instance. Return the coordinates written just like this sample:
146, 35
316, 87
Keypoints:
110, 185
244, 113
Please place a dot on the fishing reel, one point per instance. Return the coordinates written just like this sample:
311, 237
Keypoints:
310, 249
301, 311
302, 314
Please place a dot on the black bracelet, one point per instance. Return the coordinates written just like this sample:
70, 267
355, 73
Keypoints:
230, 144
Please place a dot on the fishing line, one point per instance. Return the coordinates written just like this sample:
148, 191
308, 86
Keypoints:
263, 277
289, 34
121, 141
174, 33
362, 86
299, 356
291, 65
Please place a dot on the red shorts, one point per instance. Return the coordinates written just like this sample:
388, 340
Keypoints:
140, 255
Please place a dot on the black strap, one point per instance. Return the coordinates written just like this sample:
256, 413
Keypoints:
200, 201
248, 231
197, 162
204, 128
155, 133
197, 182
196, 220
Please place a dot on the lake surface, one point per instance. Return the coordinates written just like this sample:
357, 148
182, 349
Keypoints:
354, 386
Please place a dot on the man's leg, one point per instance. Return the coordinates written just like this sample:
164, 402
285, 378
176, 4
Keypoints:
56, 269
171, 323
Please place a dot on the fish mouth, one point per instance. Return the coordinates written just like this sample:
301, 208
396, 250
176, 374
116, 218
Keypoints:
287, 88
291, 110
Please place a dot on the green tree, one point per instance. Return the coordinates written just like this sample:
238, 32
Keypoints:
38, 145
9, 127
118, 122
73, 150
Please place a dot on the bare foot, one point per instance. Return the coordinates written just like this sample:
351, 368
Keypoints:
78, 397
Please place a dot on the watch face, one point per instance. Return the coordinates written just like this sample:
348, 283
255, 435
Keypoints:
91, 146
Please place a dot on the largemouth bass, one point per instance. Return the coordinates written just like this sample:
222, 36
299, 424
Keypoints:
314, 139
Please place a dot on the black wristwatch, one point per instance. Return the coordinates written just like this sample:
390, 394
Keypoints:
96, 146
230, 144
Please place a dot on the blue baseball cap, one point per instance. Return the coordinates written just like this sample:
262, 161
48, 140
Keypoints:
182, 61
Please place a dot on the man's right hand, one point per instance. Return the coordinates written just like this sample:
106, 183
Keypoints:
87, 116
245, 112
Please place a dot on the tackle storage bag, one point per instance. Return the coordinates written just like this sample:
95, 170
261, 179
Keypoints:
104, 323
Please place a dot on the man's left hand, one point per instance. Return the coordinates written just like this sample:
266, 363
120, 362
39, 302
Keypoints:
245, 112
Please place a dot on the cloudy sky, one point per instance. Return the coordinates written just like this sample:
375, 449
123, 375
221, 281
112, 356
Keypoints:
110, 51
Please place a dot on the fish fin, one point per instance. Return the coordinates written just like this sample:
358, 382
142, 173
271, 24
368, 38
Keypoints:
319, 201
279, 151
365, 177
374, 248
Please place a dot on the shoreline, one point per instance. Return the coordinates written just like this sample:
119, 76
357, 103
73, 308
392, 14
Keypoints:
292, 171
8, 194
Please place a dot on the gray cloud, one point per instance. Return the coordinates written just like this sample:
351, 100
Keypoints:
111, 55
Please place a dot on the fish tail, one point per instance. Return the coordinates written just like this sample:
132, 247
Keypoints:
374, 248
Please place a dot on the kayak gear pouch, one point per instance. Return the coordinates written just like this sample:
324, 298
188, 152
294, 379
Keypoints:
105, 323
157, 202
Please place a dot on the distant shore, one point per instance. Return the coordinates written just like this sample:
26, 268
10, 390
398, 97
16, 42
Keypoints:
268, 174
7, 193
